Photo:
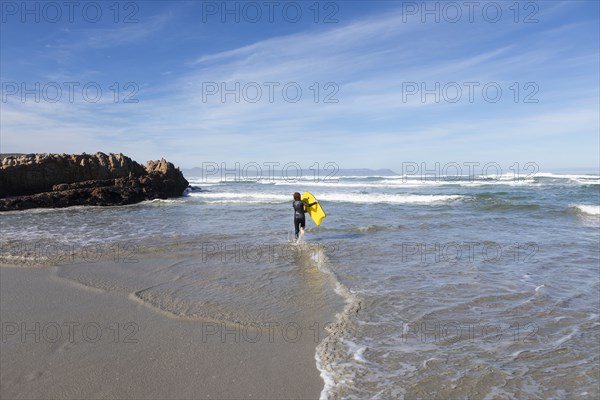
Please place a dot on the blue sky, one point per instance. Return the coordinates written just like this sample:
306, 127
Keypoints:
381, 83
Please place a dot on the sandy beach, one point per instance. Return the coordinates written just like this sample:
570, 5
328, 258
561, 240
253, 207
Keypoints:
64, 340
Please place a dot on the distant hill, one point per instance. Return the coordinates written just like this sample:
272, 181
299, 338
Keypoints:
366, 172
251, 172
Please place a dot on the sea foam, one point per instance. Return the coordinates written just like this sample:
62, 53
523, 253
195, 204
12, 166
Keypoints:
589, 209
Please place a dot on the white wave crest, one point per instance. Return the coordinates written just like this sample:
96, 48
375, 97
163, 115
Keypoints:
233, 197
589, 209
255, 197
390, 198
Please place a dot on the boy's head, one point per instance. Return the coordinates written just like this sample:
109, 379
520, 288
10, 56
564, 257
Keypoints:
296, 196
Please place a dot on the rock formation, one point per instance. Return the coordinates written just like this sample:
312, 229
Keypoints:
61, 180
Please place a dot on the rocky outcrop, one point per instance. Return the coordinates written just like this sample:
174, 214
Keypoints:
61, 180
36, 173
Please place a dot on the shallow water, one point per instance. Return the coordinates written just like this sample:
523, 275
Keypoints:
462, 287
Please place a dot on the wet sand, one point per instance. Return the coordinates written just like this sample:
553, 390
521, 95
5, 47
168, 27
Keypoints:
64, 340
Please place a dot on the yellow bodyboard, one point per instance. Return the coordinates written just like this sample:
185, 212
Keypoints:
316, 212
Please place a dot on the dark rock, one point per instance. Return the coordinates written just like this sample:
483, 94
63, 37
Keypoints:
53, 180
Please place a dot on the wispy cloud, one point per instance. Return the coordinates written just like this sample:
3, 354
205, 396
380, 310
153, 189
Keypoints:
83, 39
370, 61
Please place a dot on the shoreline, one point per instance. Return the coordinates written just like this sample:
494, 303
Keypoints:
62, 339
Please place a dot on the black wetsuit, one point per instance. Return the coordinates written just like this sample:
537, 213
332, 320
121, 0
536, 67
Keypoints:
299, 219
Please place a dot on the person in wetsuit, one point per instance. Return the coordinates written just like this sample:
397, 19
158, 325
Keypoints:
299, 210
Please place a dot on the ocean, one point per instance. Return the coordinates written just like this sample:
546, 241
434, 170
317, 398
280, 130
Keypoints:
446, 287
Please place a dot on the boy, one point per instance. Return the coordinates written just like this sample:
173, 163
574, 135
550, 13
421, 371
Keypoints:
299, 210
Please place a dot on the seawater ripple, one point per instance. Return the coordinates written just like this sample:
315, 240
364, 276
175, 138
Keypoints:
460, 288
